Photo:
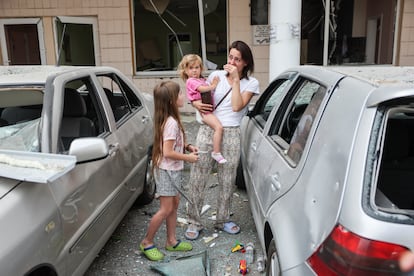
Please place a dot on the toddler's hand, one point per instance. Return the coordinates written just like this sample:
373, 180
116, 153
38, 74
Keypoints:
215, 82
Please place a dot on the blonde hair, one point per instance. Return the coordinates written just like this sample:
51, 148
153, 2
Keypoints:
185, 62
165, 105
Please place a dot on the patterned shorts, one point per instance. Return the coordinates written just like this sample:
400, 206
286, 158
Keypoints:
167, 182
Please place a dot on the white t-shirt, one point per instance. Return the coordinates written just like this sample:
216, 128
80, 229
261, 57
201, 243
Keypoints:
224, 111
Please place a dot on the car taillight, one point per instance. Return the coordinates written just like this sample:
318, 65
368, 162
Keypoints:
345, 253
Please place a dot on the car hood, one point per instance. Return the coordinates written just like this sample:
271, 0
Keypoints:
32, 167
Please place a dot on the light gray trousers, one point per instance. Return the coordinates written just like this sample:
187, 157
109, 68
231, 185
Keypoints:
226, 173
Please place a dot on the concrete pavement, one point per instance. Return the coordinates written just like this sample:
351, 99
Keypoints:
121, 255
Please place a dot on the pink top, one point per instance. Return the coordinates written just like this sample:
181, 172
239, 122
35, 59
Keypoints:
173, 132
192, 85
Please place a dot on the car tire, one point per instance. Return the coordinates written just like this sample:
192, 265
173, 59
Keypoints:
149, 191
272, 263
240, 177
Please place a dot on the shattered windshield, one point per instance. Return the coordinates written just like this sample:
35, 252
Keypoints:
21, 136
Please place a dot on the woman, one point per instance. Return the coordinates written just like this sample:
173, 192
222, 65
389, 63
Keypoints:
232, 95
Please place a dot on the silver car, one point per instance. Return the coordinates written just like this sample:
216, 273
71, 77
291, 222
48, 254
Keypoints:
328, 164
75, 146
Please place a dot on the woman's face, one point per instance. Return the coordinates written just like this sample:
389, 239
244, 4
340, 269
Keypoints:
235, 59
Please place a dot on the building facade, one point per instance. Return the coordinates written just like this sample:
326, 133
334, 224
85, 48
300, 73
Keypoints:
145, 39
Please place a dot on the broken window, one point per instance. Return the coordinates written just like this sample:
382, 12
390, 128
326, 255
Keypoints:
394, 154
360, 31
20, 111
77, 41
165, 30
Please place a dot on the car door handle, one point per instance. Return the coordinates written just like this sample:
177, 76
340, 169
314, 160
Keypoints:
253, 146
113, 149
275, 183
145, 119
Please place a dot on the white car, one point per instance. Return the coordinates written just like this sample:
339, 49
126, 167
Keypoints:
75, 154
328, 163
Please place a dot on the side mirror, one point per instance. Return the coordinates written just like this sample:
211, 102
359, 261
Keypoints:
250, 108
88, 149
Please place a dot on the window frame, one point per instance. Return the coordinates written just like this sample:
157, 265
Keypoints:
93, 21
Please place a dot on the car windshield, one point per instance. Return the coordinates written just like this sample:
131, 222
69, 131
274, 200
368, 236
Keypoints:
21, 136
20, 111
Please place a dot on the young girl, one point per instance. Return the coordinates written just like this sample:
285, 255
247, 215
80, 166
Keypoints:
168, 161
190, 69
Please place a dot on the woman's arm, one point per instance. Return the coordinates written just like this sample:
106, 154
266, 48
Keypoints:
238, 100
241, 100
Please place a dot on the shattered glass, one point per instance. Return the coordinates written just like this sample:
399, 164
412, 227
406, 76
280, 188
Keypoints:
22, 136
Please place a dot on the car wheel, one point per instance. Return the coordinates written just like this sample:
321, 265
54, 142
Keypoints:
272, 264
148, 193
240, 177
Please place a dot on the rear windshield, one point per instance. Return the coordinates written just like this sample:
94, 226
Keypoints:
393, 159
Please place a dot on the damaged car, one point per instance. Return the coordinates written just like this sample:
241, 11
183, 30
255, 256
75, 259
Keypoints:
75, 155
328, 163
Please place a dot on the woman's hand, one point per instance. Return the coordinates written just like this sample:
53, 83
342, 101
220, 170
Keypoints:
231, 71
203, 108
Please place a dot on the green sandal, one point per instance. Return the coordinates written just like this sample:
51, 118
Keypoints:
180, 246
151, 252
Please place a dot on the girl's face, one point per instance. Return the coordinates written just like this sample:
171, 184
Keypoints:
180, 99
235, 59
193, 70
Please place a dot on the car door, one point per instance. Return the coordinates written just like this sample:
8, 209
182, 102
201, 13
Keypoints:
255, 127
94, 196
131, 127
287, 139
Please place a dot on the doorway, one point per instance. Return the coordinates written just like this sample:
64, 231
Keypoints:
373, 39
22, 44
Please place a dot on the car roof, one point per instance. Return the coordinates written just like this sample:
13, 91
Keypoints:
15, 75
31, 75
380, 75
385, 82
376, 75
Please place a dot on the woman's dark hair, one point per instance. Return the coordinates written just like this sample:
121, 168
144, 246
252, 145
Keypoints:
247, 56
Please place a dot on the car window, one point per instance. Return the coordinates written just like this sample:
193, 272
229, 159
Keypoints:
295, 118
22, 136
82, 113
122, 99
391, 160
270, 98
20, 111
